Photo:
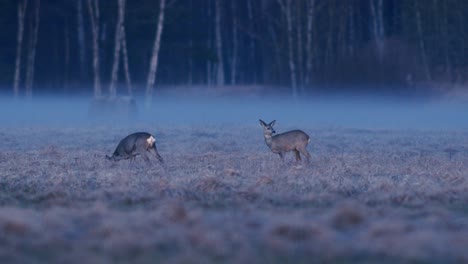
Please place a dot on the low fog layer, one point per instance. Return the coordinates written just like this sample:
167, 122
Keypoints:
357, 112
368, 195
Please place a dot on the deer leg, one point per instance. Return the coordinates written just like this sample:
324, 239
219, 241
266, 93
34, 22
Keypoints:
159, 158
155, 152
281, 155
305, 153
145, 157
298, 156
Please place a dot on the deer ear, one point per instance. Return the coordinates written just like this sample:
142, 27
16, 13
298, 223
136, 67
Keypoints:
272, 123
262, 123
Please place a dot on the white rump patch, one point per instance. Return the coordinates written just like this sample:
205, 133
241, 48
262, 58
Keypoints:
151, 141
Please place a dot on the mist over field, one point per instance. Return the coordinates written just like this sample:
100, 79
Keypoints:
365, 111
387, 182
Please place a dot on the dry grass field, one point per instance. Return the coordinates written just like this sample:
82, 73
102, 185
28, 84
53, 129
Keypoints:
368, 196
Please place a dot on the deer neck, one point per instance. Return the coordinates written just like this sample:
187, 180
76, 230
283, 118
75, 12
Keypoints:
268, 139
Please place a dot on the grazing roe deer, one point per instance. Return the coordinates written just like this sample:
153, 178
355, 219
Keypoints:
139, 143
294, 140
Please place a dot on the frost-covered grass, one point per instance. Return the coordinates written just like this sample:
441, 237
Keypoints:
368, 196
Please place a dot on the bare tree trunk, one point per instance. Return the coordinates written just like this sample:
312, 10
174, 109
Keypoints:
448, 63
234, 43
81, 38
276, 46
219, 45
209, 75
422, 47
358, 21
381, 24
351, 34
309, 50
190, 59
66, 58
118, 44
378, 25
286, 9
32, 50
93, 7
462, 75
329, 50
342, 30
128, 80
19, 44
154, 57
251, 41
190, 62
55, 59
300, 43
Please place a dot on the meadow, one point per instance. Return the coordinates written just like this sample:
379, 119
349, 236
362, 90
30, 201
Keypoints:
369, 195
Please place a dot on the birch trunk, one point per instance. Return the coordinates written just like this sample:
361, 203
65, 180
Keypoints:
286, 8
300, 43
81, 38
381, 23
234, 43
66, 58
309, 50
19, 44
219, 46
154, 57
93, 8
276, 47
128, 79
190, 61
351, 34
251, 41
378, 25
209, 75
461, 75
447, 60
118, 44
422, 45
342, 45
32, 50
329, 50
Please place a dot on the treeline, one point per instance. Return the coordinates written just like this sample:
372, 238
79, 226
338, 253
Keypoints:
121, 47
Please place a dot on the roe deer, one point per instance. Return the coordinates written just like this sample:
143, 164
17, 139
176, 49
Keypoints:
294, 140
139, 143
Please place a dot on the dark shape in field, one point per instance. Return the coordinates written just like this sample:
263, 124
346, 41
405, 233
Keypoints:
294, 140
139, 143
451, 152
122, 107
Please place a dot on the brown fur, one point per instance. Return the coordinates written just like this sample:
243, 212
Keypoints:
139, 143
294, 140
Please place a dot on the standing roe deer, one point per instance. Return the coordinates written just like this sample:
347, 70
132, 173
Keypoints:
295, 140
139, 143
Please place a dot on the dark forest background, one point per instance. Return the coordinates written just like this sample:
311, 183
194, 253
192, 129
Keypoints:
299, 46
